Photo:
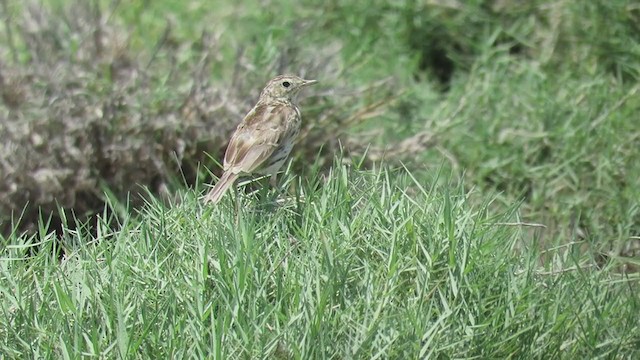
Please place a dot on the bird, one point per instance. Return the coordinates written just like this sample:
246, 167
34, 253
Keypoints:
265, 137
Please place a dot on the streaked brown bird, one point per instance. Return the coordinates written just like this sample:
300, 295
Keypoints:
263, 140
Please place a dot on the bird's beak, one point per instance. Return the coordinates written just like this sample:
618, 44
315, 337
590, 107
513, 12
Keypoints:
309, 82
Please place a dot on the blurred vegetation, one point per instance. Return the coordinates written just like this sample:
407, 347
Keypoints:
536, 101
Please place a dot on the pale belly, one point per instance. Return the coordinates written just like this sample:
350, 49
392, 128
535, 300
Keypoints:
276, 160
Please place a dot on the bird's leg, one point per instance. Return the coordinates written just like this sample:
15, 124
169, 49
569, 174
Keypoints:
273, 181
236, 198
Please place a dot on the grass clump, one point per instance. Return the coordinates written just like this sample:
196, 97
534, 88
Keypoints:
373, 264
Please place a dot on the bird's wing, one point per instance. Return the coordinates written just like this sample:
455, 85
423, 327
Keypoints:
257, 136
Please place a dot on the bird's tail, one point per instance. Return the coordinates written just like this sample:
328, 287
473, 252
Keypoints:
227, 180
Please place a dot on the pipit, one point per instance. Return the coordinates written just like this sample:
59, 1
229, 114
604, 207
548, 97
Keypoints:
263, 140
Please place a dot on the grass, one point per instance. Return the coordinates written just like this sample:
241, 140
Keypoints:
373, 264
511, 233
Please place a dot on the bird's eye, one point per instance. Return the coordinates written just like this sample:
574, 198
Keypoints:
286, 84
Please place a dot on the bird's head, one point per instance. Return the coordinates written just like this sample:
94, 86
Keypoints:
284, 87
